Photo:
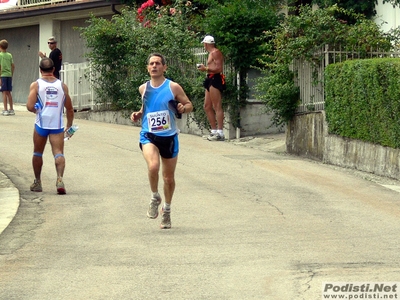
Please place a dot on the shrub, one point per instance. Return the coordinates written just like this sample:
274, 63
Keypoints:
278, 92
301, 37
363, 100
119, 51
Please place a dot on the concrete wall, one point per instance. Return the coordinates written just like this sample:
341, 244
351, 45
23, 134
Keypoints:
307, 135
362, 156
254, 121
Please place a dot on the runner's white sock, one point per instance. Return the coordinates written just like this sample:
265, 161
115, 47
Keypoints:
167, 207
220, 132
213, 131
155, 195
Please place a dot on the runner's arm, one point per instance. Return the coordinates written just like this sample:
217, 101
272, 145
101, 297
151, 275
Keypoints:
68, 106
184, 105
136, 115
32, 97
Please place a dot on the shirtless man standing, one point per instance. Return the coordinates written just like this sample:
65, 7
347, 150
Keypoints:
214, 85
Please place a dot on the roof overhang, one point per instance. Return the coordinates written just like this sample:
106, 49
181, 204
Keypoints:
63, 7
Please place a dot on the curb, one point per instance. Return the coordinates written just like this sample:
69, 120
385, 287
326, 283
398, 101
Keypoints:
9, 201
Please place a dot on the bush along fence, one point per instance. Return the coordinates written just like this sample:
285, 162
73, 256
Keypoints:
363, 100
309, 76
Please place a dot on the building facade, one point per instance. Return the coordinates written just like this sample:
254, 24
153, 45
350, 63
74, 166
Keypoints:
28, 25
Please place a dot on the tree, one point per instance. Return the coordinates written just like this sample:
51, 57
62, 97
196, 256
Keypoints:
119, 50
120, 46
239, 27
302, 37
365, 7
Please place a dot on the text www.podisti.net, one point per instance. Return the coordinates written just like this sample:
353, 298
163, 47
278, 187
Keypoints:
360, 290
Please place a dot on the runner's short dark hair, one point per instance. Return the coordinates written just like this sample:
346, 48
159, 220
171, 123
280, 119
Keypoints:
159, 55
46, 64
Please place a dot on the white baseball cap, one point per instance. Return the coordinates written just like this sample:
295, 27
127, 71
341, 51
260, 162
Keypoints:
208, 39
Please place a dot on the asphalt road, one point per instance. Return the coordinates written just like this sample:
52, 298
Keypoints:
246, 223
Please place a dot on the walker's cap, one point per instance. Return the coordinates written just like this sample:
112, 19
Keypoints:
208, 39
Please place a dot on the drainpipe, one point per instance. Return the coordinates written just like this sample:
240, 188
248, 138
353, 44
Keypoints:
114, 9
238, 99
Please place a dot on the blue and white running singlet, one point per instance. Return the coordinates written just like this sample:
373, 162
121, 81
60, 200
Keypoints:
157, 117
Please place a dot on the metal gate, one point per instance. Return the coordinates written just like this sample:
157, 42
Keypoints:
76, 77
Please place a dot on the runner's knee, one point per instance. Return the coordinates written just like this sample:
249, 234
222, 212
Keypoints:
58, 155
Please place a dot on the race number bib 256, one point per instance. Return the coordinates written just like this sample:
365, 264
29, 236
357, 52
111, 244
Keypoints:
159, 121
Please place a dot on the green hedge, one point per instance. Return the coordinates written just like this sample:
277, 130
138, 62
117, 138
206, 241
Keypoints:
362, 100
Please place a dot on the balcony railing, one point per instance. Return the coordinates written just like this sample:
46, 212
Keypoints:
12, 5
30, 3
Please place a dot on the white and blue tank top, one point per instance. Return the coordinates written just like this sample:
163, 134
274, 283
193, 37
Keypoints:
50, 100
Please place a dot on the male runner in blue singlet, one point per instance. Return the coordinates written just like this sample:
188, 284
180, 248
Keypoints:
159, 134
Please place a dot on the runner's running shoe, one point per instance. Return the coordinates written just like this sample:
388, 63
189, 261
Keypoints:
36, 186
60, 187
165, 219
152, 212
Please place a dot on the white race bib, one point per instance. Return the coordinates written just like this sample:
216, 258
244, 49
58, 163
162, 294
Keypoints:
159, 121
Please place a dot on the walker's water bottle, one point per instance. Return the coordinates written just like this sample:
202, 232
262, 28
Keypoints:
38, 107
70, 132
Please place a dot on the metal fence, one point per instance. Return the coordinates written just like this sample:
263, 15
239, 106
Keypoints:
309, 77
201, 57
76, 77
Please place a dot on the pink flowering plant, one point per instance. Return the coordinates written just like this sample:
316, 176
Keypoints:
119, 49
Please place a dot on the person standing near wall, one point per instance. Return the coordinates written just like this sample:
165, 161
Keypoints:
161, 99
55, 56
47, 98
214, 85
7, 71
